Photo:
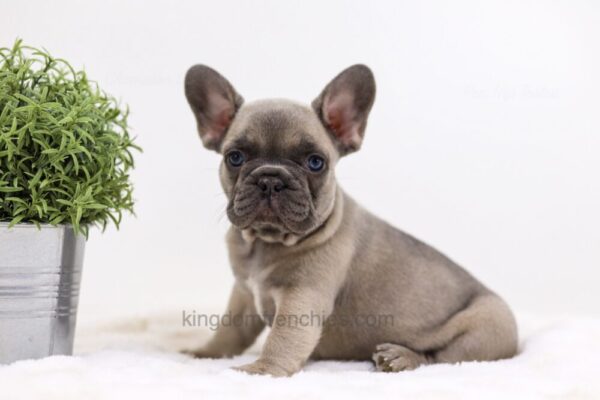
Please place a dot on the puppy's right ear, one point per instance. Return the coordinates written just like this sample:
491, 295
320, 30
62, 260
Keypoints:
214, 103
344, 106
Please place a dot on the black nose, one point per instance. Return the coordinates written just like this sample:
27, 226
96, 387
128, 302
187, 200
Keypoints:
270, 184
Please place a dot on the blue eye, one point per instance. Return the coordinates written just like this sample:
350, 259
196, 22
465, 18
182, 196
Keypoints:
315, 163
235, 158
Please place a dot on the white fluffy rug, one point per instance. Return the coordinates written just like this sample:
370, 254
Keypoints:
558, 359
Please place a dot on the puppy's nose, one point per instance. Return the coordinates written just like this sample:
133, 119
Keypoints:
270, 184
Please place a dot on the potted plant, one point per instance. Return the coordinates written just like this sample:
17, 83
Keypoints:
65, 159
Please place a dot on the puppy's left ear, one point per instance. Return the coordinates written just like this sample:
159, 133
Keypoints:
344, 105
214, 103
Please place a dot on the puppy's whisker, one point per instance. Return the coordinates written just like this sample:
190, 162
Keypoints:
222, 215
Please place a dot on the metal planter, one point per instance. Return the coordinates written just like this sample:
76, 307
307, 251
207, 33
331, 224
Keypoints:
40, 274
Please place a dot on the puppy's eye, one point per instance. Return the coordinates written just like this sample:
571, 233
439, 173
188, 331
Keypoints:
235, 158
315, 163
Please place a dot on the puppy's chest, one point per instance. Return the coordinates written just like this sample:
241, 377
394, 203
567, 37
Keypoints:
263, 298
257, 280
262, 274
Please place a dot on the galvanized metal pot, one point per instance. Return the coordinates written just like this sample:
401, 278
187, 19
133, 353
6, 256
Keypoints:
40, 273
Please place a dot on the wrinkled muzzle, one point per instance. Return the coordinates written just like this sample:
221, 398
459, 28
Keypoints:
272, 199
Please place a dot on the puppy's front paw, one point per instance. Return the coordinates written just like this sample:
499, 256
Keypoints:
204, 353
263, 367
195, 353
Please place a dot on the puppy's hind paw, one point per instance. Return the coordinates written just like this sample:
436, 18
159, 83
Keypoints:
389, 357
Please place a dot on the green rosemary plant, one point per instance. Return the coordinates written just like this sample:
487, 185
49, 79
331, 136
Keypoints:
65, 149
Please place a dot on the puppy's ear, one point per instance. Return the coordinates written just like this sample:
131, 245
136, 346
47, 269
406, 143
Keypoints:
214, 102
344, 106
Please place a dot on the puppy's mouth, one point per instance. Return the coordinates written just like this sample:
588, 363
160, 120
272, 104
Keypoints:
273, 215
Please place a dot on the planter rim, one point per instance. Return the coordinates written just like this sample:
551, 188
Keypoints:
26, 225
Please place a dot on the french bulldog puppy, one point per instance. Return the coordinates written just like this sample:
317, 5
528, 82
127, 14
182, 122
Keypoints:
314, 265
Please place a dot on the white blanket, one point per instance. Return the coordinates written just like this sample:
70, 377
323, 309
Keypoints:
559, 358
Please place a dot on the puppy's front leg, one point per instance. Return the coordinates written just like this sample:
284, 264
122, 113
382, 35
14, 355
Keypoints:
244, 327
295, 333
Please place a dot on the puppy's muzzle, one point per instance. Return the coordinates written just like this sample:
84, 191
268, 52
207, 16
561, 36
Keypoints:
270, 185
271, 179
272, 197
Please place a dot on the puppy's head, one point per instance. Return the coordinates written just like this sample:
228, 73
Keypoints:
279, 156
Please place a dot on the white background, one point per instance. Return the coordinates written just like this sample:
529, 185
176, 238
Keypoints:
487, 112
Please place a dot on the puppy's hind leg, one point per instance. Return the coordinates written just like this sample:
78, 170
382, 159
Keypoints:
484, 331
